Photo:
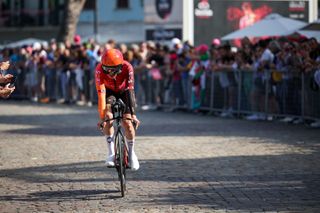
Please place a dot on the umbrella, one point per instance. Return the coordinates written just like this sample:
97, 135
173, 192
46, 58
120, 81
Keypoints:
314, 26
23, 42
272, 25
311, 30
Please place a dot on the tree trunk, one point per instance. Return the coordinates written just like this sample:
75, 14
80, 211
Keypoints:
72, 10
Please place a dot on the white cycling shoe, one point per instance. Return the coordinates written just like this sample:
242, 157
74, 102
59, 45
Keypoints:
110, 160
134, 163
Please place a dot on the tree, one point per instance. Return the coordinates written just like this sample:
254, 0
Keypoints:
72, 10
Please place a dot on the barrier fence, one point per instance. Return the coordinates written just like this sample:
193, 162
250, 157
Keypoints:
231, 93
240, 93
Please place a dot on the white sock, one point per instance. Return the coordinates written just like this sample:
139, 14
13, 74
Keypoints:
130, 145
110, 142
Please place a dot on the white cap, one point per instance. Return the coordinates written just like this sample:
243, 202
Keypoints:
43, 54
36, 46
175, 41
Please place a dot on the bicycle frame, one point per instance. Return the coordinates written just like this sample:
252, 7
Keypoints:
123, 144
121, 150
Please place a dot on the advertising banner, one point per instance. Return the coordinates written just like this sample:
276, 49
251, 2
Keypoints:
163, 19
162, 11
216, 18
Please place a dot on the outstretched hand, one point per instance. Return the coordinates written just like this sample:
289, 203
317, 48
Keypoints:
6, 91
4, 79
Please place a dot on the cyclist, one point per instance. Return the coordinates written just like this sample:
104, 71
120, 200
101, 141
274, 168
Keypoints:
114, 77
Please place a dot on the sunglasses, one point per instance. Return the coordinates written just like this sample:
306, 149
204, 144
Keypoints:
112, 70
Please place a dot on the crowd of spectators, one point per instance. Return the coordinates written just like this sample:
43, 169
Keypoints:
269, 73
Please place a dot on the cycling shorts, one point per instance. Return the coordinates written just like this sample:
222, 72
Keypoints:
124, 96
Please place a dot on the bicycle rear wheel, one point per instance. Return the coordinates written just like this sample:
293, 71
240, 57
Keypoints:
119, 141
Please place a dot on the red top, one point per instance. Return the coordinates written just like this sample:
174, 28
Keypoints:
121, 82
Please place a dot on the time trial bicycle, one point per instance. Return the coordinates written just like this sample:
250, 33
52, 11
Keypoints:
121, 161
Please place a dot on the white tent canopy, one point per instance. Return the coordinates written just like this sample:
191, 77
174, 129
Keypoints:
272, 25
311, 30
27, 41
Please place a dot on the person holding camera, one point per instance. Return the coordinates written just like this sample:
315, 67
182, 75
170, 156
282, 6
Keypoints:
5, 88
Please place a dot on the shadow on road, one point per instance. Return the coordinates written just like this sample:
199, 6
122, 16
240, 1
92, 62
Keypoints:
54, 196
159, 124
239, 182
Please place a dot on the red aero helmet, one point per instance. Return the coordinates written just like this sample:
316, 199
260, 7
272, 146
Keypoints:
111, 58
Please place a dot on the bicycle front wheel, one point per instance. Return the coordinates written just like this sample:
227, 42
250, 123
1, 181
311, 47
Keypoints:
119, 140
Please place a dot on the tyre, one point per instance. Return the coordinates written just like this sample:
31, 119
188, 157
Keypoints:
119, 140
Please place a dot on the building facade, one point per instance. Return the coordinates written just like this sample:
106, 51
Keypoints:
121, 20
21, 19
137, 20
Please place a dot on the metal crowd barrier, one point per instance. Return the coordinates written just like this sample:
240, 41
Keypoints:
241, 93
237, 92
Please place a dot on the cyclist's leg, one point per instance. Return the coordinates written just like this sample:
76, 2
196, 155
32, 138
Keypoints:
129, 129
108, 130
127, 124
130, 132
130, 137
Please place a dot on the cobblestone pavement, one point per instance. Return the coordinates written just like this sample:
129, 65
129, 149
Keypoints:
51, 160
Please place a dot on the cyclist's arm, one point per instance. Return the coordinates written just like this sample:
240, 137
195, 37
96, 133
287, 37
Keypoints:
131, 101
101, 90
130, 91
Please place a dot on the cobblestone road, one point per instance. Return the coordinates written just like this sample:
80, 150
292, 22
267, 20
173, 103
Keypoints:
51, 160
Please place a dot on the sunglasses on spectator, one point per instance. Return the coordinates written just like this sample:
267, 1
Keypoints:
112, 70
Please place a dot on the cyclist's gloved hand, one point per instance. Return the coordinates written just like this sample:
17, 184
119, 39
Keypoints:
101, 124
135, 122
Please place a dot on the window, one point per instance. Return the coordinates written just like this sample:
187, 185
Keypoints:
122, 4
89, 5
27, 13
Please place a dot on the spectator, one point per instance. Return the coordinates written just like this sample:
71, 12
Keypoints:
6, 90
262, 88
31, 80
222, 63
176, 80
198, 74
111, 44
156, 65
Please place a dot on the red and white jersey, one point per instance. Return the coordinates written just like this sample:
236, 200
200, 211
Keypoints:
121, 82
